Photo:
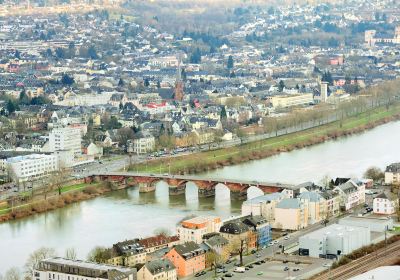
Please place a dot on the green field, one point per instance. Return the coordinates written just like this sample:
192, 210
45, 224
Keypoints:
183, 163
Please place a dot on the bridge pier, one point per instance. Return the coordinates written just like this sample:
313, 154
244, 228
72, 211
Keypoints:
177, 190
146, 187
238, 195
206, 192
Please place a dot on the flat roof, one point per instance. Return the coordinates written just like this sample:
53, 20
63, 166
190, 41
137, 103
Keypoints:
334, 230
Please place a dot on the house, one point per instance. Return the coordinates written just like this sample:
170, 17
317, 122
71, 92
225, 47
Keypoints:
385, 204
143, 143
193, 229
162, 269
351, 194
263, 205
392, 174
217, 243
332, 203
261, 227
291, 213
188, 258
235, 231
60, 268
93, 150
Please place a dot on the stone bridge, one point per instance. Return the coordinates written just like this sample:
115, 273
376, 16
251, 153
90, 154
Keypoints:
177, 183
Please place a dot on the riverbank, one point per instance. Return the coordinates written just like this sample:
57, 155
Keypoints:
70, 194
210, 160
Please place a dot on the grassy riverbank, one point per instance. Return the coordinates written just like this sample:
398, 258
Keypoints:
69, 194
209, 160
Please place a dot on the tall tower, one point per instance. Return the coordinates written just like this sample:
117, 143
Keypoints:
324, 91
178, 92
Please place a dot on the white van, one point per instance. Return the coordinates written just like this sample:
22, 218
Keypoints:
239, 269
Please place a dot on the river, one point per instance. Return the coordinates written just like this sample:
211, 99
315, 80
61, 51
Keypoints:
127, 214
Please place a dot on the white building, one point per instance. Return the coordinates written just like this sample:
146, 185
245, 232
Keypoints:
334, 240
31, 167
384, 205
351, 194
194, 229
373, 223
289, 100
64, 269
143, 143
66, 139
263, 206
392, 174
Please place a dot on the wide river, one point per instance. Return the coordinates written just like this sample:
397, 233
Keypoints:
126, 214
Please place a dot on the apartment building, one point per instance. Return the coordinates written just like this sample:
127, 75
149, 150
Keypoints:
289, 100
66, 139
188, 258
236, 231
195, 228
31, 167
143, 143
291, 213
351, 194
65, 269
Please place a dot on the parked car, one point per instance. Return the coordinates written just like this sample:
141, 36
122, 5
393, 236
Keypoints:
229, 275
286, 268
296, 269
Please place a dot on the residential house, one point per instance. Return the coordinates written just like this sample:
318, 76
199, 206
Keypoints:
162, 269
351, 194
217, 243
385, 204
261, 227
143, 143
188, 258
332, 203
236, 232
392, 174
315, 203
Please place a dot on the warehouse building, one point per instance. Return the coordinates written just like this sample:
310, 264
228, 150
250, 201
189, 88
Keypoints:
333, 241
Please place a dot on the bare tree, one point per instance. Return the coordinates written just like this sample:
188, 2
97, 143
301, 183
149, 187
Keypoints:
99, 254
35, 257
162, 231
70, 253
12, 274
215, 259
238, 247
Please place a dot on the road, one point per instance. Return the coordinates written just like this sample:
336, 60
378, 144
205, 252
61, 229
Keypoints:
268, 252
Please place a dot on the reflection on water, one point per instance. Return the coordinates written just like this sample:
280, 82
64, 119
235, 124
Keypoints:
127, 214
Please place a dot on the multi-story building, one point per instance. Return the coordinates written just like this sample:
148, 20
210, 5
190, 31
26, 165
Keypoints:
263, 205
143, 143
236, 232
385, 205
66, 139
332, 204
289, 100
261, 227
133, 252
31, 167
314, 202
162, 269
351, 194
193, 229
392, 174
334, 240
291, 213
65, 269
188, 258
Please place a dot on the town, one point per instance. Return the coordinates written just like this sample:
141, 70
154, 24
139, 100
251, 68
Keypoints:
98, 97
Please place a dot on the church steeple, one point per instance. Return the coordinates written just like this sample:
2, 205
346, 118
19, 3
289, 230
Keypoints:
178, 92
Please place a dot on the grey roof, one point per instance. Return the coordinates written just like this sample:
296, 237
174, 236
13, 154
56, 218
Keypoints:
216, 241
289, 203
265, 198
188, 250
348, 187
159, 266
311, 196
394, 167
234, 228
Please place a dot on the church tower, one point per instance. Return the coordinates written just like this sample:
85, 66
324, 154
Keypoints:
178, 92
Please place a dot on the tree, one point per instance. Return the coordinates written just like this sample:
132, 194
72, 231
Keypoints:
146, 82
281, 85
13, 274
162, 231
238, 246
24, 98
215, 259
11, 106
92, 53
60, 53
124, 134
196, 56
374, 173
230, 63
35, 257
98, 254
67, 80
70, 253
17, 54
222, 114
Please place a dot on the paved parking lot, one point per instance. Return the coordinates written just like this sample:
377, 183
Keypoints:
275, 270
